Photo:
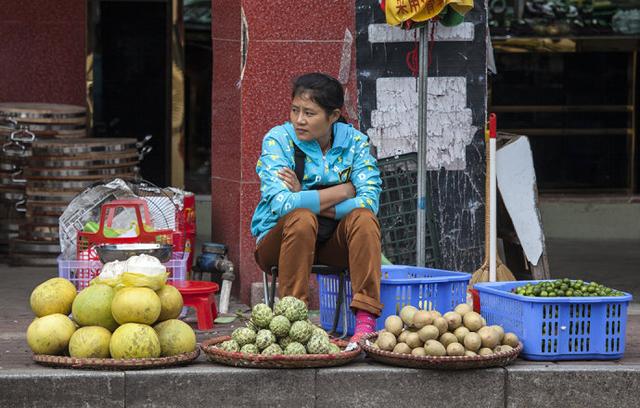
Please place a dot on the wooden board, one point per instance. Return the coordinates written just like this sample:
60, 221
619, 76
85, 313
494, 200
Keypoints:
520, 223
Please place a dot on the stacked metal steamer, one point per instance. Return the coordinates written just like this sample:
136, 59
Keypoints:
22, 125
55, 166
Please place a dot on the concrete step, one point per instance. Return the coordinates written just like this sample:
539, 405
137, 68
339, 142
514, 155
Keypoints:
364, 383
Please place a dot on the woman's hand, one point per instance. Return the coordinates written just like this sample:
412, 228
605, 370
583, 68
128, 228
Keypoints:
290, 179
349, 189
329, 212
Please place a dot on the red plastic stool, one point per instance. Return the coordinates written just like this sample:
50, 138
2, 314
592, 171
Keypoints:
199, 294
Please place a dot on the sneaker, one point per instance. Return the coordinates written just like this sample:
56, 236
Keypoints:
365, 324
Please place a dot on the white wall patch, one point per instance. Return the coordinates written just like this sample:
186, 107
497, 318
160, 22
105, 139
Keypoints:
384, 33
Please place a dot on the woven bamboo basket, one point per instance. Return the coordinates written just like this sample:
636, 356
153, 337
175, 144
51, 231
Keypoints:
237, 359
116, 364
438, 363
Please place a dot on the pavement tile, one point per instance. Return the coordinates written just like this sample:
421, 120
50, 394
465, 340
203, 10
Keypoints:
61, 388
576, 385
220, 386
368, 385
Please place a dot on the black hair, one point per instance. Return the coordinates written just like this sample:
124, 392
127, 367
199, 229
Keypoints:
322, 89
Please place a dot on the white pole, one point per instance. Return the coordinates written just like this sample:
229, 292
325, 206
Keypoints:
421, 205
492, 199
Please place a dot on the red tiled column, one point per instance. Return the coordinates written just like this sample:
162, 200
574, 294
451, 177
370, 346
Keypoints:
42, 51
285, 40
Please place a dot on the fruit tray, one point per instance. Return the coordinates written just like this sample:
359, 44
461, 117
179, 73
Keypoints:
115, 364
558, 328
439, 363
237, 359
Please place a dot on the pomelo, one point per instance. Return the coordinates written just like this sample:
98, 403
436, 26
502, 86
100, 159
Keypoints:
92, 307
90, 342
134, 340
176, 337
171, 303
55, 295
136, 305
50, 334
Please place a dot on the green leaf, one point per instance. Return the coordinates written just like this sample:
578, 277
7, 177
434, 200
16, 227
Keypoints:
224, 319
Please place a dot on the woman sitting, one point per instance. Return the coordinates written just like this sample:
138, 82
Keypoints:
320, 188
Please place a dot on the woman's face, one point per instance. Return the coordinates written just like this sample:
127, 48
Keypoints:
310, 121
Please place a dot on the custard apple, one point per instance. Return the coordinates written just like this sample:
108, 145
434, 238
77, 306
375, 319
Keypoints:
295, 348
284, 342
319, 331
230, 345
272, 350
250, 349
244, 335
300, 331
264, 339
296, 311
318, 344
261, 315
334, 349
283, 305
280, 326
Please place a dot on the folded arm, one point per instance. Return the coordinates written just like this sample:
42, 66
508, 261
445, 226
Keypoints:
273, 190
366, 180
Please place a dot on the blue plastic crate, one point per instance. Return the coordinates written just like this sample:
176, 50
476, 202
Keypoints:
424, 288
559, 328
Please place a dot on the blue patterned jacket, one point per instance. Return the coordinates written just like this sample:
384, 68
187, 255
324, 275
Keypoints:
347, 160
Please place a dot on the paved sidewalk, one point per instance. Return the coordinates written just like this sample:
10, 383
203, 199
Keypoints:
364, 383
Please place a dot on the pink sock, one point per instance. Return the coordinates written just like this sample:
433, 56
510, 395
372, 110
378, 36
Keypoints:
365, 322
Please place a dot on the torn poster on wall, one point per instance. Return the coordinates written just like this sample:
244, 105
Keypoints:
394, 122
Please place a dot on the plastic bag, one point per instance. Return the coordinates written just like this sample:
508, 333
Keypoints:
137, 271
131, 279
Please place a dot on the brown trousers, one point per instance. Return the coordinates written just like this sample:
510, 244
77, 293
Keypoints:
291, 245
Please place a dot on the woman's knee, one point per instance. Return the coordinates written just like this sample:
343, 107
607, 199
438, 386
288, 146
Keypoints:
363, 216
301, 220
363, 221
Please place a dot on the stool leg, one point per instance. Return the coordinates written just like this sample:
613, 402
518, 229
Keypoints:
345, 307
203, 312
336, 314
214, 308
265, 287
274, 279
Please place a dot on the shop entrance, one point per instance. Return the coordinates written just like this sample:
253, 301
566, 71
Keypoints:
149, 73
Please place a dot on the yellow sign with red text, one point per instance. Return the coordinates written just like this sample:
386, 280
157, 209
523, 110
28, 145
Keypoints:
399, 11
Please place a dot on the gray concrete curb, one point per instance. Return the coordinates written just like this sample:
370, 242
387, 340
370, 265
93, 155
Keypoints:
359, 384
